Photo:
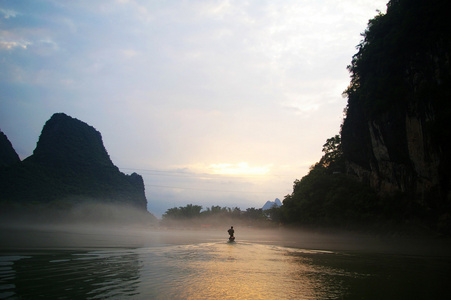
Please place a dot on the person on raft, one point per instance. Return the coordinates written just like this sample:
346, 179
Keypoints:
231, 232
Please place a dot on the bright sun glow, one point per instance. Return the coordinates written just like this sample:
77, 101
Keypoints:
242, 168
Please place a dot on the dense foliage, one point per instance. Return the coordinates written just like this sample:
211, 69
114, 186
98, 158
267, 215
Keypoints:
327, 196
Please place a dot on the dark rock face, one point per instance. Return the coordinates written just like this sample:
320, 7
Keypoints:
397, 154
70, 164
8, 155
398, 126
68, 141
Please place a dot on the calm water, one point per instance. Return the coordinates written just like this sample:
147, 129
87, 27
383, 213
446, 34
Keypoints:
211, 268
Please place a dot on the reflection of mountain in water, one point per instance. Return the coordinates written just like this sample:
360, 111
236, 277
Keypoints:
62, 274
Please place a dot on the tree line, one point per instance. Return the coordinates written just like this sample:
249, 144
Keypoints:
216, 213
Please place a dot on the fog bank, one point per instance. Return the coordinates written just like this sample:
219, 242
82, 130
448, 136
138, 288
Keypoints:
89, 236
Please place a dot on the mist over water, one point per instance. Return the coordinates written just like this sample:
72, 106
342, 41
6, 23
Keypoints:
71, 260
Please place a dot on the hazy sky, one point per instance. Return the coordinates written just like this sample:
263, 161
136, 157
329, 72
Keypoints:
212, 102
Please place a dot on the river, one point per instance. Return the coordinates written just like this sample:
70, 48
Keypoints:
167, 264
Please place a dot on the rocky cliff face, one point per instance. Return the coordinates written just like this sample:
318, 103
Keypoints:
70, 163
396, 134
397, 153
68, 141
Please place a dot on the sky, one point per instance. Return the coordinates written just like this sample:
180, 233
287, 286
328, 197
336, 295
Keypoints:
213, 102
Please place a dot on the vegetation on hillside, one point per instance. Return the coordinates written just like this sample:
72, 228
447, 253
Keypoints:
327, 196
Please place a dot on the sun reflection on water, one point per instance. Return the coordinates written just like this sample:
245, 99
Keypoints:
247, 271
218, 270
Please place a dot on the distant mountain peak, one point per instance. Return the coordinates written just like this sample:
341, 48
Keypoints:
69, 163
66, 140
270, 204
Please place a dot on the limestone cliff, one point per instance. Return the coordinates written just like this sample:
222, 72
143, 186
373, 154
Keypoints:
69, 165
397, 129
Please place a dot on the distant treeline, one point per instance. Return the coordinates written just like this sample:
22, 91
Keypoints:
216, 214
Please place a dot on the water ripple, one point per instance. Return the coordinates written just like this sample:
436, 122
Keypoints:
214, 270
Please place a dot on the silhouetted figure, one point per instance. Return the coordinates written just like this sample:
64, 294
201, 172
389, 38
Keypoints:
231, 232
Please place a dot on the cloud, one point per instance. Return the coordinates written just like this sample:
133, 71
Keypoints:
8, 13
9, 45
241, 168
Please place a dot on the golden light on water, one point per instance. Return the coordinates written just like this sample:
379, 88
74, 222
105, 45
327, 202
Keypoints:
245, 271
255, 274
105, 264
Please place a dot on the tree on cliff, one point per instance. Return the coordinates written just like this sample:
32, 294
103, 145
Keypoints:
326, 196
333, 155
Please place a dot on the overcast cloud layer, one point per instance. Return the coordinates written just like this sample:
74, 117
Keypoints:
212, 102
